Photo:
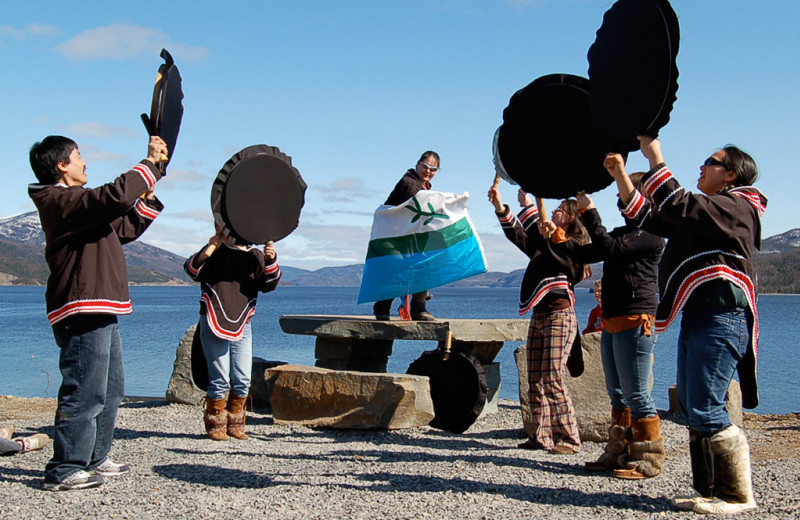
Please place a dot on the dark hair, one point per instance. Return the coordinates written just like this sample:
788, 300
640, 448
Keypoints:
575, 230
428, 154
636, 180
741, 164
46, 154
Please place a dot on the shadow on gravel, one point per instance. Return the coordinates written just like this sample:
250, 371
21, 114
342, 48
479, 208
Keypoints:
124, 433
213, 476
32, 478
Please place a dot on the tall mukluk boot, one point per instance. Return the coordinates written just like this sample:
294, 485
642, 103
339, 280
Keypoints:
617, 442
236, 416
733, 488
702, 460
645, 457
216, 419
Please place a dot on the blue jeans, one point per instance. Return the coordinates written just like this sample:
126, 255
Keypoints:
92, 387
8, 447
710, 346
627, 357
229, 362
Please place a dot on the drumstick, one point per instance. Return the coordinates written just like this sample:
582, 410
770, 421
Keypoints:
542, 213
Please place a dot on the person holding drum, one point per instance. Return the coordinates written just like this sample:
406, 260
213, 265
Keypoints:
414, 180
231, 277
630, 262
558, 253
706, 272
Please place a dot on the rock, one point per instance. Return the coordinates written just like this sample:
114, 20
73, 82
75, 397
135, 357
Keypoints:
260, 386
319, 397
181, 388
733, 402
589, 395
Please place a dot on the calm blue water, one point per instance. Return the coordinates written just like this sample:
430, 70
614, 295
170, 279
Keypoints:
29, 366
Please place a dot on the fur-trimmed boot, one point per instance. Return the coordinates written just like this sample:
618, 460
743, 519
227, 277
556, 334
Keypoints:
702, 460
617, 441
645, 456
216, 419
733, 488
237, 416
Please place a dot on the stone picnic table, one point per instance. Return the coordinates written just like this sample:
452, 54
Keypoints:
364, 344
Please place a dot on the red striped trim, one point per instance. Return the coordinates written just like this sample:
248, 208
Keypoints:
528, 213
753, 198
635, 206
505, 219
272, 268
657, 180
190, 266
218, 331
542, 291
146, 174
90, 307
696, 279
145, 211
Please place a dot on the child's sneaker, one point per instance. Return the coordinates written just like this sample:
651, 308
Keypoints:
36, 441
78, 480
6, 432
109, 469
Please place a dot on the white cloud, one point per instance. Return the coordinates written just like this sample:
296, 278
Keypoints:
121, 42
95, 129
34, 29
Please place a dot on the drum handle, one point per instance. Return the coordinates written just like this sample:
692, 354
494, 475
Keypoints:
542, 212
448, 342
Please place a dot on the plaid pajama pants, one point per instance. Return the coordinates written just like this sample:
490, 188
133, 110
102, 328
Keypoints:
550, 337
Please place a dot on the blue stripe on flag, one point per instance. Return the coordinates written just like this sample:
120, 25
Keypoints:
391, 276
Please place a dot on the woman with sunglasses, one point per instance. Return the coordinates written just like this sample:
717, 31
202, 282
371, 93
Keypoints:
558, 253
414, 180
706, 272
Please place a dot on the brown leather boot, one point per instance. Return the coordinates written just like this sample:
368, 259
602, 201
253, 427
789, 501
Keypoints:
617, 442
216, 419
236, 416
645, 456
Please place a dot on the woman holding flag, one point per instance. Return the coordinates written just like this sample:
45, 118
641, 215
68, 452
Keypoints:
558, 253
414, 180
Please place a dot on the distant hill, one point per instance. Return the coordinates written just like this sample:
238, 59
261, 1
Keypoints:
22, 263
22, 257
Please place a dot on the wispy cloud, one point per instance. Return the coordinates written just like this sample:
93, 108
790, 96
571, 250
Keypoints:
34, 29
95, 129
122, 42
185, 180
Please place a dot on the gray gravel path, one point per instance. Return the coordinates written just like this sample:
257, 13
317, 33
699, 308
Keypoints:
296, 472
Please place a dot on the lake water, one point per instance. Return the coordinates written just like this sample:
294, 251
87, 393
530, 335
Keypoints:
29, 366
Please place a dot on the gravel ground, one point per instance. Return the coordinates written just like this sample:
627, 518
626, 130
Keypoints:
295, 472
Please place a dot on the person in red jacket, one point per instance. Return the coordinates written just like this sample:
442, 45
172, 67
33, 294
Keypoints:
87, 288
595, 323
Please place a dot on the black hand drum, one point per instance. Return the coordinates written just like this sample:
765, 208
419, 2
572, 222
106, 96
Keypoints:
633, 70
257, 196
548, 142
458, 388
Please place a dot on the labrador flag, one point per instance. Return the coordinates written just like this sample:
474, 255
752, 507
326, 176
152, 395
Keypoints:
426, 242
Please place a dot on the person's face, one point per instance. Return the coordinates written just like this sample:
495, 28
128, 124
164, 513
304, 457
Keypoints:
598, 292
427, 168
714, 176
561, 217
73, 173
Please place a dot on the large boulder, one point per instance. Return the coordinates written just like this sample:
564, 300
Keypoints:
589, 395
319, 397
181, 388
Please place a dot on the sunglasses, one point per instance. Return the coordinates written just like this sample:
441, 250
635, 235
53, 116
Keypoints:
713, 162
432, 169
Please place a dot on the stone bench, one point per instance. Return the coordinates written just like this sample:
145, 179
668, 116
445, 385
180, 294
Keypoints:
362, 343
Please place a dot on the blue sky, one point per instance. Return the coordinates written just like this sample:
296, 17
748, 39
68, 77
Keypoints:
354, 91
